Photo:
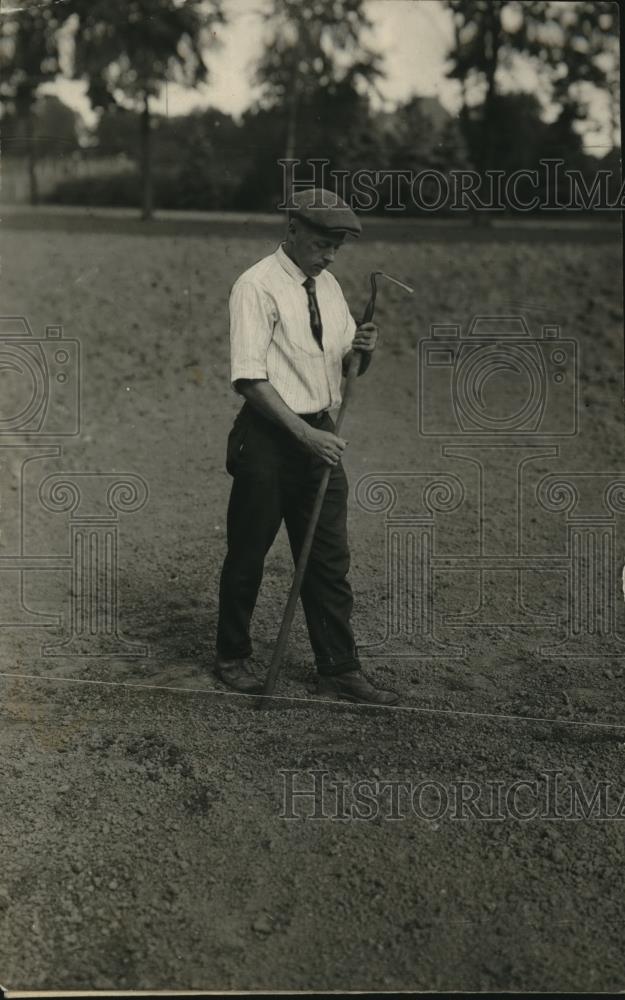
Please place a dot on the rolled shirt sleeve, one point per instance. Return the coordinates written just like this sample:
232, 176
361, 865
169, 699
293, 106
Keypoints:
251, 329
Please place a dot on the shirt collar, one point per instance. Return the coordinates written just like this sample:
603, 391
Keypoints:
290, 266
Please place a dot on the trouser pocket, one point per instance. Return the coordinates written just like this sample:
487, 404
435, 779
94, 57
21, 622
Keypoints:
236, 441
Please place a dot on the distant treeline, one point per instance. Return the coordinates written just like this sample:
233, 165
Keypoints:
316, 94
208, 161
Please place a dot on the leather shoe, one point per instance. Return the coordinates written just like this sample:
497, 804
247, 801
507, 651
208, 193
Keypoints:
239, 675
354, 686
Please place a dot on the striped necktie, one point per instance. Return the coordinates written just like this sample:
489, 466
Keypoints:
313, 309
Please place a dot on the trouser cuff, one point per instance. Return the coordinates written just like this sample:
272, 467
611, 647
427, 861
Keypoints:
242, 653
342, 667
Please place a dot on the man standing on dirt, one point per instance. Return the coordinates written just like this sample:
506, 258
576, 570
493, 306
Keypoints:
291, 335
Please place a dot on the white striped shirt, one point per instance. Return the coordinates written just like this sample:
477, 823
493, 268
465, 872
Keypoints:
271, 338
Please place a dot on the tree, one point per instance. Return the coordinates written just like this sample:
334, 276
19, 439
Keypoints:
312, 47
128, 49
517, 129
577, 48
422, 135
56, 126
29, 51
117, 132
572, 46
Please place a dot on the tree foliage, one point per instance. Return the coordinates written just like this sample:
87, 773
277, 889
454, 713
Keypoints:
312, 48
54, 132
318, 44
29, 51
30, 58
572, 46
127, 50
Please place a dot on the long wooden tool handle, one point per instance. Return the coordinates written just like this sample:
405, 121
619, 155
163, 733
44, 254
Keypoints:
302, 562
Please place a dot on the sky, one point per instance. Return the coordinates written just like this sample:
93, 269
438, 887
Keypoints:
413, 37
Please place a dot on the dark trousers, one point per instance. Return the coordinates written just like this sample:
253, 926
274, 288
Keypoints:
275, 479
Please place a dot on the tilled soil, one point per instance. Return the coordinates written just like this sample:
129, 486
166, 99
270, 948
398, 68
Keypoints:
145, 848
143, 841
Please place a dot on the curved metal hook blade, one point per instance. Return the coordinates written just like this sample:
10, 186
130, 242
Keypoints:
368, 314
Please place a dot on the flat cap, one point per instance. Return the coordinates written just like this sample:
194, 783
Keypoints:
326, 211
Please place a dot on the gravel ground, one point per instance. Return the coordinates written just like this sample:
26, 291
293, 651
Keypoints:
142, 843
145, 849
